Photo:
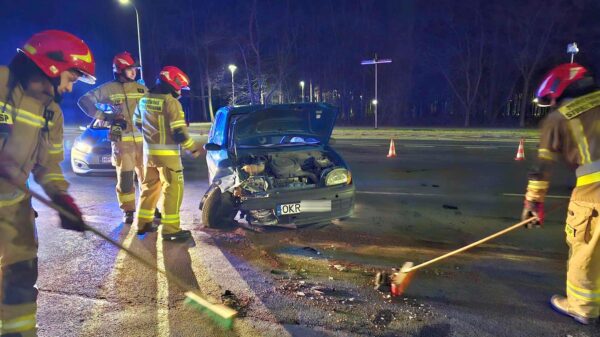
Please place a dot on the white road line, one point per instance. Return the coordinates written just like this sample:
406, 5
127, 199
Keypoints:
548, 196
402, 193
416, 145
162, 292
480, 147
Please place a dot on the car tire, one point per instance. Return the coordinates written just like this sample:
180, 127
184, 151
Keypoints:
218, 210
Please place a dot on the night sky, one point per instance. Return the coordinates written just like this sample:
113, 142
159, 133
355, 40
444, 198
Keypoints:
448, 56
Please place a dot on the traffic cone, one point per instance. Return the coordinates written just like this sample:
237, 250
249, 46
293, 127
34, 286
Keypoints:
392, 151
521, 150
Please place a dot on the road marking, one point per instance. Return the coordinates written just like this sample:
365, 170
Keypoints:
416, 145
162, 292
481, 147
403, 193
548, 196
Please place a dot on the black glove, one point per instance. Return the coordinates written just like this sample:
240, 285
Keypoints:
68, 204
533, 208
116, 129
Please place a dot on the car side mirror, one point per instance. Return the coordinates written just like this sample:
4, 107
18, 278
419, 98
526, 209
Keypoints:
212, 147
82, 128
332, 141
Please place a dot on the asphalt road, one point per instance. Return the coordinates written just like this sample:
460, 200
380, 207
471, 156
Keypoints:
433, 197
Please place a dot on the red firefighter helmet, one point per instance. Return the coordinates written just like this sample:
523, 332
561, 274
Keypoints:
175, 78
123, 61
557, 80
55, 51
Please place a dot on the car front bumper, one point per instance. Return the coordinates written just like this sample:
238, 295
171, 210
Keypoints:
342, 204
85, 163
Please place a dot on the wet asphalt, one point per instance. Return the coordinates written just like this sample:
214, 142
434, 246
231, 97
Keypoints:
435, 196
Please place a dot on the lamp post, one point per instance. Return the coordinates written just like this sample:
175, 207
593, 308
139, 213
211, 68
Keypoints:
375, 61
137, 20
232, 68
302, 86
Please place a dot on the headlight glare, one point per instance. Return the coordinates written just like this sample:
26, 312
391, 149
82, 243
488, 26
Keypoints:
83, 146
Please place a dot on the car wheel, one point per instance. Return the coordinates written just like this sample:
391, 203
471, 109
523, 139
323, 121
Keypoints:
218, 210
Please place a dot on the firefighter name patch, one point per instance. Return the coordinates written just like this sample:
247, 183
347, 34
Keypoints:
5, 118
580, 105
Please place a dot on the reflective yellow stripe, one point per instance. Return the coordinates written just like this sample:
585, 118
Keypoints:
163, 152
23, 116
583, 294
56, 151
11, 199
588, 179
538, 184
161, 129
48, 177
123, 198
579, 137
188, 144
19, 324
177, 124
547, 154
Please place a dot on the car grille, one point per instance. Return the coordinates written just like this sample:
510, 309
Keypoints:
102, 148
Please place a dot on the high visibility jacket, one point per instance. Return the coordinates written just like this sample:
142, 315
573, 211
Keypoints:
572, 132
162, 121
35, 142
123, 95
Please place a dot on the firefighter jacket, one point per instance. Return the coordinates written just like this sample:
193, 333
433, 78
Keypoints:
33, 137
161, 118
572, 132
123, 97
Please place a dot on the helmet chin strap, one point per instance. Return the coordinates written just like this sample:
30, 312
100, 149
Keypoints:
55, 83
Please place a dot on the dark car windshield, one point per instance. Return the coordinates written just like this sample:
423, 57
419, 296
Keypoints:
271, 127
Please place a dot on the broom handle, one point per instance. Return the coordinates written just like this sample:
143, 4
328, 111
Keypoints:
460, 250
129, 252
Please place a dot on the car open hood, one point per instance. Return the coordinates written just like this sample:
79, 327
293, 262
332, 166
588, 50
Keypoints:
313, 122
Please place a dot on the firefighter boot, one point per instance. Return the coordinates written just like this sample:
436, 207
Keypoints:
561, 305
147, 227
181, 236
128, 217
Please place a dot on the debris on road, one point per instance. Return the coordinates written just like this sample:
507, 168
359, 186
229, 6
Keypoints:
449, 206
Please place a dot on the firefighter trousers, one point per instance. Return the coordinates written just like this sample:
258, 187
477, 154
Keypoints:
18, 267
583, 267
128, 161
166, 184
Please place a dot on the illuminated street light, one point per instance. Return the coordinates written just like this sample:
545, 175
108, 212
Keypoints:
232, 68
137, 20
375, 62
302, 86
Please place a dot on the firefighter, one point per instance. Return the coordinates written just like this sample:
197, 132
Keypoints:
161, 117
120, 96
570, 132
31, 141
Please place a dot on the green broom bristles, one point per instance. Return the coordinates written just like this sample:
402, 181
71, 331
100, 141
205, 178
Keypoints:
220, 313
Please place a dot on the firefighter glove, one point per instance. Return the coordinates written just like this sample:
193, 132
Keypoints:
533, 208
116, 129
67, 203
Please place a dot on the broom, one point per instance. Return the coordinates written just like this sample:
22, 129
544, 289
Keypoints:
220, 313
402, 278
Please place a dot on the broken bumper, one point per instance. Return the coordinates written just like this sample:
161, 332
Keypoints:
342, 204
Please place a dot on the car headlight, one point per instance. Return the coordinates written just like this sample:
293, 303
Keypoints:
83, 146
338, 176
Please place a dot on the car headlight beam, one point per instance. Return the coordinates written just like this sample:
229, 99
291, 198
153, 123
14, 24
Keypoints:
83, 146
338, 176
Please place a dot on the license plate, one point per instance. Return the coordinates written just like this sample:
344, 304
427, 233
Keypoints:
288, 209
106, 160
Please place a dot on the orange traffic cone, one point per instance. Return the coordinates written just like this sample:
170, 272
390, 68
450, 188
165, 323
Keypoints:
521, 150
392, 152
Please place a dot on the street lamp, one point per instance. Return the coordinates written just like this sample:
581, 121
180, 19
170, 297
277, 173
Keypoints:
302, 86
137, 20
232, 68
375, 61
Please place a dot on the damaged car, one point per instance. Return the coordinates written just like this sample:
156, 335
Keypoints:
273, 166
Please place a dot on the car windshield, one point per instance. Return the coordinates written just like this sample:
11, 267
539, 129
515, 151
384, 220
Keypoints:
270, 127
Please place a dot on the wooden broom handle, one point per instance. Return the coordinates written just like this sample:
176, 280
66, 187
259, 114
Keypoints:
460, 250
